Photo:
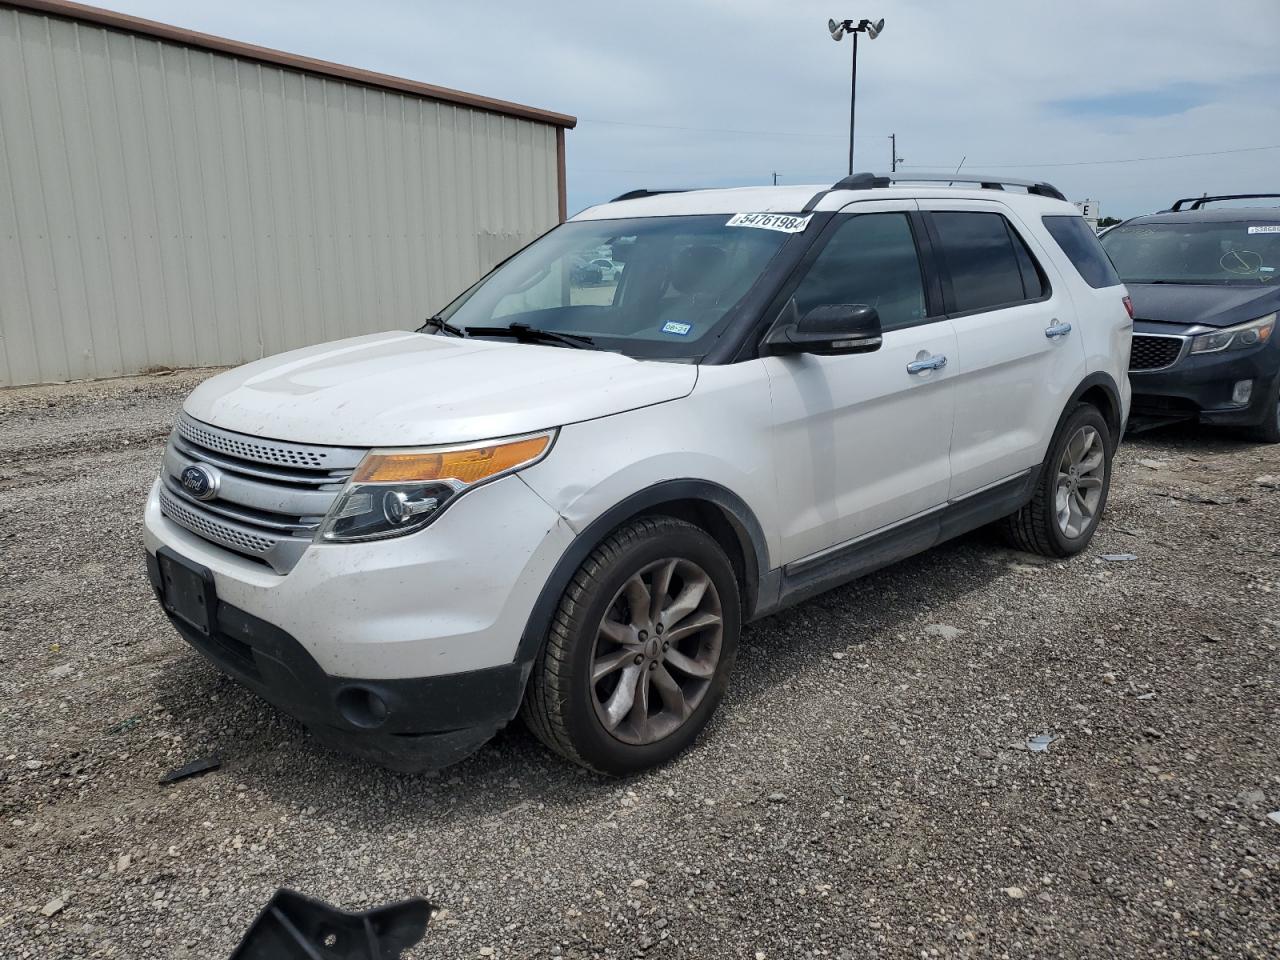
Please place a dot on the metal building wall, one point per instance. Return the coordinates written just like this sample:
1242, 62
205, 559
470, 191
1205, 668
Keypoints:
167, 206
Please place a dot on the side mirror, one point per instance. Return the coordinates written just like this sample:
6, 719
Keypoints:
828, 330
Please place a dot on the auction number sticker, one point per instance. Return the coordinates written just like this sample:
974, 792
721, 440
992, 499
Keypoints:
1270, 228
782, 222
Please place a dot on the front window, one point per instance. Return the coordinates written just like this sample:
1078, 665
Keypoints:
654, 287
1242, 252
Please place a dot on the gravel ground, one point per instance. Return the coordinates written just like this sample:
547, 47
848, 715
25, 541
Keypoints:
864, 790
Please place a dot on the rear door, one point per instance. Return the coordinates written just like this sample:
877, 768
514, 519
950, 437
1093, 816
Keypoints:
1019, 354
860, 441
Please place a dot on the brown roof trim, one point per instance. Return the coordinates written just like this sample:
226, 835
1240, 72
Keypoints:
205, 41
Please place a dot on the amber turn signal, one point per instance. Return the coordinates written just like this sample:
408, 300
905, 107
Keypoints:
466, 466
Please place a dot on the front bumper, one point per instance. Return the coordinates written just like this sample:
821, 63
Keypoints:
403, 651
409, 724
1198, 386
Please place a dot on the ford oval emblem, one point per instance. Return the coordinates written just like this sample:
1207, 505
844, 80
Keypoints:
200, 481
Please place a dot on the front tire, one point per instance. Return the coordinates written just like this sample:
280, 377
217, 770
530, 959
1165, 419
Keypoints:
1269, 430
1071, 492
640, 648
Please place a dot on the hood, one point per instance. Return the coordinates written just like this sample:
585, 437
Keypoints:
410, 389
1213, 305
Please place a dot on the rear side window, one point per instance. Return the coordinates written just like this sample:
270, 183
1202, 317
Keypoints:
988, 263
1082, 248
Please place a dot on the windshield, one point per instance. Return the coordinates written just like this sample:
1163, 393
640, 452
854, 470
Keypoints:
1240, 252
657, 287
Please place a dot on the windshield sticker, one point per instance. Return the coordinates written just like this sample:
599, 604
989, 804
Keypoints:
1270, 228
679, 329
782, 222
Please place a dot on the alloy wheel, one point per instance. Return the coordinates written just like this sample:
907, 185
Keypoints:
1081, 470
657, 649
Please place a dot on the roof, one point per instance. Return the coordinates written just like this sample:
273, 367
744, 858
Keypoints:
204, 41
794, 199
1212, 215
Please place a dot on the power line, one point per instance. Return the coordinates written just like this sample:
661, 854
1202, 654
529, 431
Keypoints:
748, 133
1092, 163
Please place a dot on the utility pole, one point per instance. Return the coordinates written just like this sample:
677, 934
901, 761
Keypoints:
893, 153
775, 178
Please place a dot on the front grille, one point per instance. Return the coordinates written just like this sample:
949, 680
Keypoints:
1153, 351
271, 495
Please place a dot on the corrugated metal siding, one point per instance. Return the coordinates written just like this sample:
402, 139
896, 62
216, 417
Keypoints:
164, 206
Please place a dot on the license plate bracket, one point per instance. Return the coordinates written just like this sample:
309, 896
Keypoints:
187, 591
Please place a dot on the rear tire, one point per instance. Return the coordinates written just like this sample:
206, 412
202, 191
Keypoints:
1071, 491
640, 648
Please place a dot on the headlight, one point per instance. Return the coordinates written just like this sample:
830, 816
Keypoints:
394, 492
1236, 338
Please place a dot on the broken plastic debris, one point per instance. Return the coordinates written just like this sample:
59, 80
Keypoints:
1119, 557
293, 926
1039, 742
193, 769
124, 725
1274, 817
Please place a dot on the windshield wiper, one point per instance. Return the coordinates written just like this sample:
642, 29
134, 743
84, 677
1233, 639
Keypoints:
440, 325
527, 334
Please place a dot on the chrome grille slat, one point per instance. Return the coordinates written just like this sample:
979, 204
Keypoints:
246, 491
289, 528
270, 496
276, 476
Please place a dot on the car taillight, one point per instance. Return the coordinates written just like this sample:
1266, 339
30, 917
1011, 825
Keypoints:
1128, 306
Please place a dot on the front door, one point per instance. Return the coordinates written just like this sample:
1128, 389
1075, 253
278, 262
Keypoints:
861, 441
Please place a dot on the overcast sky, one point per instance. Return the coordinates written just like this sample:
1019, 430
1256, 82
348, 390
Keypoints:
720, 92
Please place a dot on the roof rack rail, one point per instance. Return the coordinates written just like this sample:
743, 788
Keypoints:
865, 181
1197, 202
643, 192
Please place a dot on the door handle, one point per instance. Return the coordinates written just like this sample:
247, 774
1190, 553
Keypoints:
936, 362
1057, 330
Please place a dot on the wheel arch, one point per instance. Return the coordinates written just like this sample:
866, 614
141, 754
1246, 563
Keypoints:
1100, 390
716, 509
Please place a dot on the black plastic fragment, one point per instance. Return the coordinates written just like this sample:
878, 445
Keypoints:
193, 769
293, 926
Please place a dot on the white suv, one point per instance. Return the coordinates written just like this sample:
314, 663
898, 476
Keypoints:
564, 498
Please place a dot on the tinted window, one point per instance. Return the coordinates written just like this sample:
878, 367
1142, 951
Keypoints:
983, 262
1034, 285
871, 259
1082, 248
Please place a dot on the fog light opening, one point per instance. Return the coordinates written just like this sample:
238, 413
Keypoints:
362, 707
1242, 391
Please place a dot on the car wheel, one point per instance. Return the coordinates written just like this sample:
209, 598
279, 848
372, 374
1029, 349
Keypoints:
1071, 492
1269, 430
640, 648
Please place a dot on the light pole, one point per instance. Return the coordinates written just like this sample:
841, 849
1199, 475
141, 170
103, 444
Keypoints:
894, 159
838, 29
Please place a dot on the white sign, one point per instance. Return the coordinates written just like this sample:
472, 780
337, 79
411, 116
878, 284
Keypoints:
1272, 228
782, 222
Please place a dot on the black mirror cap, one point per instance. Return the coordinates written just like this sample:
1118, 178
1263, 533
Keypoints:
829, 330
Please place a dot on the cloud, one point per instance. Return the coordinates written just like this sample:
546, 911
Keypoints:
720, 92
1169, 101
